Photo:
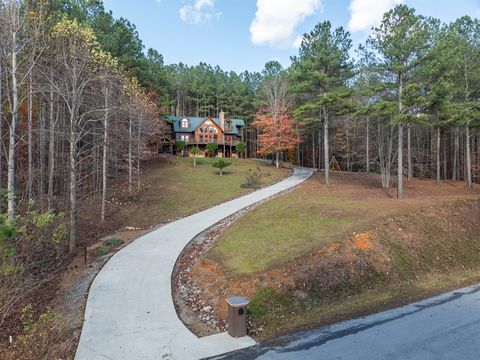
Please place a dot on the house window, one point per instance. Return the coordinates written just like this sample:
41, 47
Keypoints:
184, 138
208, 132
185, 123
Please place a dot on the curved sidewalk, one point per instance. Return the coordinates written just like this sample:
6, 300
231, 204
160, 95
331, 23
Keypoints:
130, 313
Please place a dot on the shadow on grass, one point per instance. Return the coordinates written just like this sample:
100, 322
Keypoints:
225, 173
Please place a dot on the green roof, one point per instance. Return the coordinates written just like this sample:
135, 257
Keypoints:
196, 121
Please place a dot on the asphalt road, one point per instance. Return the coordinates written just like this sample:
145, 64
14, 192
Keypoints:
444, 327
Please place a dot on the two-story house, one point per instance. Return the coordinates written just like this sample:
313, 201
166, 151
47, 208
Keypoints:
199, 131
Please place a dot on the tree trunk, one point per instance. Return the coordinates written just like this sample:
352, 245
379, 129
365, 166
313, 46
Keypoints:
314, 161
409, 152
400, 193
12, 135
277, 163
1, 135
130, 175
438, 154
29, 135
445, 159
139, 134
348, 148
41, 141
72, 244
319, 155
51, 153
325, 147
456, 154
104, 158
468, 156
367, 149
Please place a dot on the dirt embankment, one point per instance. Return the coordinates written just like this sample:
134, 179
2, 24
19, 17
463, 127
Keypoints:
435, 235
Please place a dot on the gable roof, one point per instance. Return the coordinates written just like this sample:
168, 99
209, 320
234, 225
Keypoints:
236, 123
196, 121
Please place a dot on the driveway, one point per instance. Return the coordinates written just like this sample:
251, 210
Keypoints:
444, 327
130, 312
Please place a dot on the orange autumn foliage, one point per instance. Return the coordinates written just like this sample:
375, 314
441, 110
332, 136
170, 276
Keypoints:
275, 134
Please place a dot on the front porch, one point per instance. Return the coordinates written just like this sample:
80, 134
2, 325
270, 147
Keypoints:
226, 150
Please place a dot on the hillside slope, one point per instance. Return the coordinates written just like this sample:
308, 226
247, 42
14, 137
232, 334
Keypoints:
322, 254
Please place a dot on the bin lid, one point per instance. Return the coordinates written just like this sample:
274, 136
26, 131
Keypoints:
236, 301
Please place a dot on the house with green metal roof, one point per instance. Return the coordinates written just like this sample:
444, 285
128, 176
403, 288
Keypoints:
199, 131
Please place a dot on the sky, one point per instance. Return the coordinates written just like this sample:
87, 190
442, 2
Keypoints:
243, 35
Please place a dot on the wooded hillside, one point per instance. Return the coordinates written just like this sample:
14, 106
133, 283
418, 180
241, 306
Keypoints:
81, 103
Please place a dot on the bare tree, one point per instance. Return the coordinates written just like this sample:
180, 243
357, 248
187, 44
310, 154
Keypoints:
105, 146
21, 47
79, 61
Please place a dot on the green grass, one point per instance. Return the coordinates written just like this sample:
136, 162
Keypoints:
288, 227
103, 250
269, 305
178, 188
113, 242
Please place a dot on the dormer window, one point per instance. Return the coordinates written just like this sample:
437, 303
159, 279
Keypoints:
228, 125
184, 124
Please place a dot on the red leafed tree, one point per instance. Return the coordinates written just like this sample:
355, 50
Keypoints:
276, 134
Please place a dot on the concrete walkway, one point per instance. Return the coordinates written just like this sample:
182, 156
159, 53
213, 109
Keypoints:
130, 312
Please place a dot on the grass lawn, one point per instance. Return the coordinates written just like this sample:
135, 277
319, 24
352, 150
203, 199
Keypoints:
288, 227
177, 188
314, 216
308, 219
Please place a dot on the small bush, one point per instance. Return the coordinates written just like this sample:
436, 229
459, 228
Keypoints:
253, 179
240, 148
180, 145
114, 242
221, 164
195, 151
211, 148
41, 337
30, 248
103, 250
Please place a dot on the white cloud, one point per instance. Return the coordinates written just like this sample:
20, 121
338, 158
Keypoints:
298, 41
275, 21
201, 11
367, 13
